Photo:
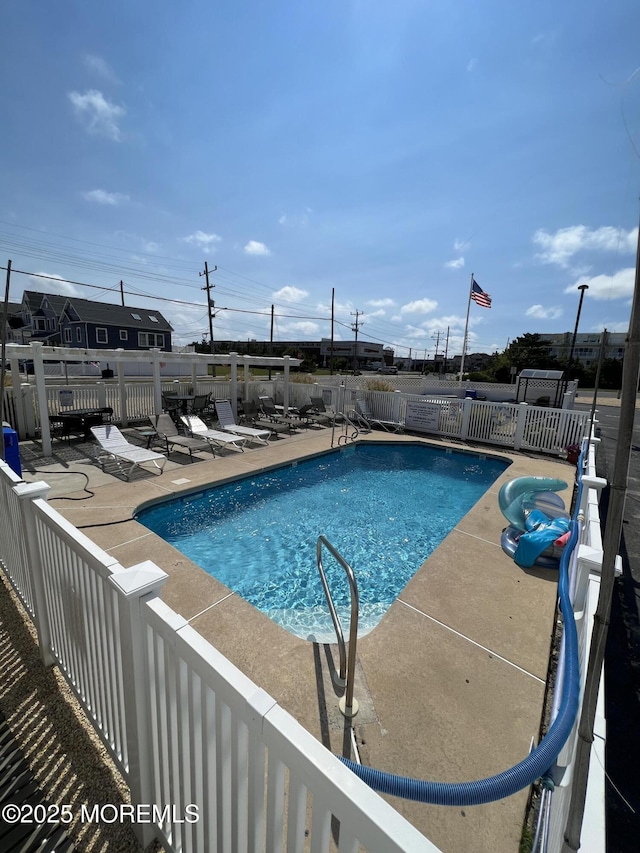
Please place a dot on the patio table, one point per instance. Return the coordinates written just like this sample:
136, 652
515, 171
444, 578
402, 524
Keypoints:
80, 420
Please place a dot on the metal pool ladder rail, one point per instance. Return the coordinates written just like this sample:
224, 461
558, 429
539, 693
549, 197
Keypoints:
348, 705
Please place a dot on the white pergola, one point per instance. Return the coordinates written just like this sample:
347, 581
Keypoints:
195, 364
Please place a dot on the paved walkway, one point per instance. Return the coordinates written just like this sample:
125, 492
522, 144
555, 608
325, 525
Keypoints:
452, 681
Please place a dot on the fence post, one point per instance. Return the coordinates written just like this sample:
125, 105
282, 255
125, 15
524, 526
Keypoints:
27, 493
122, 391
135, 588
102, 394
28, 405
518, 438
466, 417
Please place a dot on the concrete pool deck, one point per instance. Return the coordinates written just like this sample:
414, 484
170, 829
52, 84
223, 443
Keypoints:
451, 683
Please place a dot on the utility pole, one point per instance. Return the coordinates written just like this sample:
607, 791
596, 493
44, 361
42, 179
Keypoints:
446, 351
355, 326
435, 355
121, 294
210, 309
271, 340
333, 295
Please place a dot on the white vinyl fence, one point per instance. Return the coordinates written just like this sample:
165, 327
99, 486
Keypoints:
518, 426
226, 766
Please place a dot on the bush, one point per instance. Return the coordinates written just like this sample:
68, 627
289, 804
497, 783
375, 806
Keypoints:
378, 385
302, 378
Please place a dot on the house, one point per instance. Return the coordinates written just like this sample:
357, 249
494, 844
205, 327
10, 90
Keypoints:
84, 323
39, 317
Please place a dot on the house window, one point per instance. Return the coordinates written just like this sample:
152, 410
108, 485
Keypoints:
68, 335
136, 317
153, 319
78, 334
40, 324
146, 340
124, 335
101, 336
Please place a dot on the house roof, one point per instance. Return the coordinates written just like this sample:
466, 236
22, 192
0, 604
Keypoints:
109, 314
34, 298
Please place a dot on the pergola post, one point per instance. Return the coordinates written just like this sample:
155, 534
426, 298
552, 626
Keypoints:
285, 393
233, 360
122, 390
157, 387
41, 390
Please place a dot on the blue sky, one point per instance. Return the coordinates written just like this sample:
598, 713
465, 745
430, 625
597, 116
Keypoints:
386, 150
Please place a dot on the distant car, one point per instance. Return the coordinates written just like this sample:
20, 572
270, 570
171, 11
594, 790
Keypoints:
388, 368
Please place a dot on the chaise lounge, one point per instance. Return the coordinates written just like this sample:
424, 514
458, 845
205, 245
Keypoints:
227, 422
114, 446
167, 430
198, 429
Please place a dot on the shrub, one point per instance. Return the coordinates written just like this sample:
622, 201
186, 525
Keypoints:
302, 378
378, 385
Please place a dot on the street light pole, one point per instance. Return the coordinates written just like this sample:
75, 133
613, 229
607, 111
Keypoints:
582, 289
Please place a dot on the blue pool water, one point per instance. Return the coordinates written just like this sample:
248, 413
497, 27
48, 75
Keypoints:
384, 507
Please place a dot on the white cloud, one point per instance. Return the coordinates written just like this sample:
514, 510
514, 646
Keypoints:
304, 327
104, 197
419, 306
97, 114
381, 303
560, 247
254, 247
602, 287
553, 312
97, 65
457, 264
202, 240
471, 64
290, 294
52, 283
461, 245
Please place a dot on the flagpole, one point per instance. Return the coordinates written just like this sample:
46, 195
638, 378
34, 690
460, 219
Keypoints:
466, 329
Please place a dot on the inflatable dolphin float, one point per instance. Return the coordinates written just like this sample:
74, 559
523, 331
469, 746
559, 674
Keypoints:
538, 522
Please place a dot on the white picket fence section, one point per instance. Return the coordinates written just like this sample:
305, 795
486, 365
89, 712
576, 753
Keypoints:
185, 727
517, 426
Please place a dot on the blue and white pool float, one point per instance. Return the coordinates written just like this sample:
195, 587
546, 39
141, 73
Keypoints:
538, 522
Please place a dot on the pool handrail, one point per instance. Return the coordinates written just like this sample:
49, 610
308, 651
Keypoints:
348, 705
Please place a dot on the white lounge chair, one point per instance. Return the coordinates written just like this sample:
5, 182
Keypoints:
199, 429
166, 429
113, 445
363, 410
227, 422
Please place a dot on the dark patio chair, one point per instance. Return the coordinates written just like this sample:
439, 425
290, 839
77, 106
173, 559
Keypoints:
200, 405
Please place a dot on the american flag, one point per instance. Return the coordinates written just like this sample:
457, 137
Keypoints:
479, 296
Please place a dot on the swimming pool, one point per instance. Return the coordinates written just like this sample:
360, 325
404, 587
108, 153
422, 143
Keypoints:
385, 507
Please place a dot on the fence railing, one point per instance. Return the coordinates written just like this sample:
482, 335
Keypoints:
226, 766
522, 427
585, 572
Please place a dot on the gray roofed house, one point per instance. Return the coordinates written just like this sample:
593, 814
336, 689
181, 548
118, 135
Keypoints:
85, 323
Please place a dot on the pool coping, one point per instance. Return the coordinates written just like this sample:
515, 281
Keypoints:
432, 675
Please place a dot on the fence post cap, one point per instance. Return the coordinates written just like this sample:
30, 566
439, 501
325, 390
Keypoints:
38, 489
140, 579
